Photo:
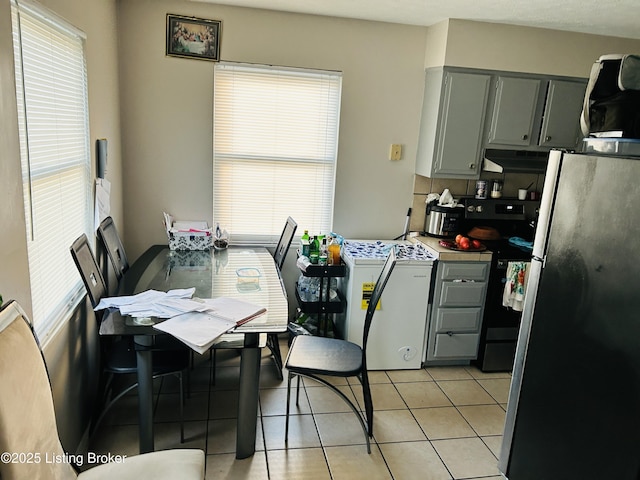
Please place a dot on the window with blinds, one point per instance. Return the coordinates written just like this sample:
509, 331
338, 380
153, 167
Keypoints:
51, 90
275, 142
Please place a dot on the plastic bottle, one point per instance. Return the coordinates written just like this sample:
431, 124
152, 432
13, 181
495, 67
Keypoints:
303, 288
305, 244
334, 252
315, 246
323, 257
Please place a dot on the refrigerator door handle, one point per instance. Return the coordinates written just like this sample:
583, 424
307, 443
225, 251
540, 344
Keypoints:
546, 203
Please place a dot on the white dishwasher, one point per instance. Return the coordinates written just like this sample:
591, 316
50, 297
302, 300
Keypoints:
397, 336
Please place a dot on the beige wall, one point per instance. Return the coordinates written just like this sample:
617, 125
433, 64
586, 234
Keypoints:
71, 351
167, 111
532, 50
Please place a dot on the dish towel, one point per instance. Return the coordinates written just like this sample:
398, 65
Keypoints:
515, 285
521, 243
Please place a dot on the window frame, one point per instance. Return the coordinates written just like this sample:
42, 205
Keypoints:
56, 161
238, 154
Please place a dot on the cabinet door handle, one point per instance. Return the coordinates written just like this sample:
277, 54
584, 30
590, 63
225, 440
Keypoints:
547, 138
450, 333
472, 166
525, 136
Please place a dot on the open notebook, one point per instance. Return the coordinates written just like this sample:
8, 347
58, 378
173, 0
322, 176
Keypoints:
199, 330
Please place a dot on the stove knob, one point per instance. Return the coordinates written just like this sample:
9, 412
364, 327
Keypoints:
471, 208
479, 208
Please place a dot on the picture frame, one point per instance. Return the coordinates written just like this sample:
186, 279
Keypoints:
193, 37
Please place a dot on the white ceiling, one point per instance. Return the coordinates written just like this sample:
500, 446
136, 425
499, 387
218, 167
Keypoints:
620, 18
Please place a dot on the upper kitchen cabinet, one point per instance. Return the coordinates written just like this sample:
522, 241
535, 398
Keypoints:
466, 111
560, 123
515, 109
452, 126
535, 112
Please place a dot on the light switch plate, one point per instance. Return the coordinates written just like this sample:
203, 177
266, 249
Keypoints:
395, 152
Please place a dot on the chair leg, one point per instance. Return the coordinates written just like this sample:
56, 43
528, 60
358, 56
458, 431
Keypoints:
348, 402
274, 345
212, 359
181, 377
286, 425
108, 406
368, 402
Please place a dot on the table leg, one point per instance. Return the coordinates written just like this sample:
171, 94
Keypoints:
145, 393
248, 396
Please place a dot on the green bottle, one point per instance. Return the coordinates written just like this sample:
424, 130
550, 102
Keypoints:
305, 244
314, 249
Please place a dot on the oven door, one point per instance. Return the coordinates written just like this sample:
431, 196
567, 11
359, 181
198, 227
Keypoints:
500, 324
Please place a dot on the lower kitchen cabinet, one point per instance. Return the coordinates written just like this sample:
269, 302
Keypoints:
456, 316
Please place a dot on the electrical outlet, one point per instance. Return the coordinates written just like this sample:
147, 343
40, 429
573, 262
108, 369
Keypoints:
395, 152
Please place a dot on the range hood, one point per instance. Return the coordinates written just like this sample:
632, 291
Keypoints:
514, 161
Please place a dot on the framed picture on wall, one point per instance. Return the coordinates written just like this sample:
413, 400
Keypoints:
193, 37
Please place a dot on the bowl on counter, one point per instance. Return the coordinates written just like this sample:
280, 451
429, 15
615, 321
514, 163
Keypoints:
484, 233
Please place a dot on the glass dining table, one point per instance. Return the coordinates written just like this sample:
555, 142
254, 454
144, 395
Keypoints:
249, 274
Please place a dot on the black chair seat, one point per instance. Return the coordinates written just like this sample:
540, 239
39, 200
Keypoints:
122, 359
324, 356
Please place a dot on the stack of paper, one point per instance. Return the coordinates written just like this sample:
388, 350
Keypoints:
153, 303
199, 330
196, 322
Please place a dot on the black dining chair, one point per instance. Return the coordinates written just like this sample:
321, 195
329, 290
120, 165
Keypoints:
272, 341
118, 356
108, 235
28, 418
314, 357
112, 244
279, 255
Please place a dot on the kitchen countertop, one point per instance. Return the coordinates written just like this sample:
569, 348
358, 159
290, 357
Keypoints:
446, 255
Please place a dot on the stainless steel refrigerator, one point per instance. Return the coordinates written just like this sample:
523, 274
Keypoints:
574, 403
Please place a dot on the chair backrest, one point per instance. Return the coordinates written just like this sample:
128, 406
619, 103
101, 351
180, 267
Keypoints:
109, 237
280, 253
89, 270
28, 427
389, 264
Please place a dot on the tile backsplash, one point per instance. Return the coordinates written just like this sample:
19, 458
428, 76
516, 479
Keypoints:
459, 188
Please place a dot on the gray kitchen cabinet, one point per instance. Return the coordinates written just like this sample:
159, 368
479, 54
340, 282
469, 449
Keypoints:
456, 316
466, 110
452, 125
514, 113
563, 106
535, 112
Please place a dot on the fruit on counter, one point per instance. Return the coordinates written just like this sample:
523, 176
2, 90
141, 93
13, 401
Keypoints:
447, 243
462, 243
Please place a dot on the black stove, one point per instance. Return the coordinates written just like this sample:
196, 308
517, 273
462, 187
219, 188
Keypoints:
500, 325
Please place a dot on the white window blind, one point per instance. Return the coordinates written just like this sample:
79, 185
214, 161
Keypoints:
51, 88
275, 144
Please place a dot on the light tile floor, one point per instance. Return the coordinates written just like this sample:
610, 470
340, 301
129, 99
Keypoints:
438, 423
